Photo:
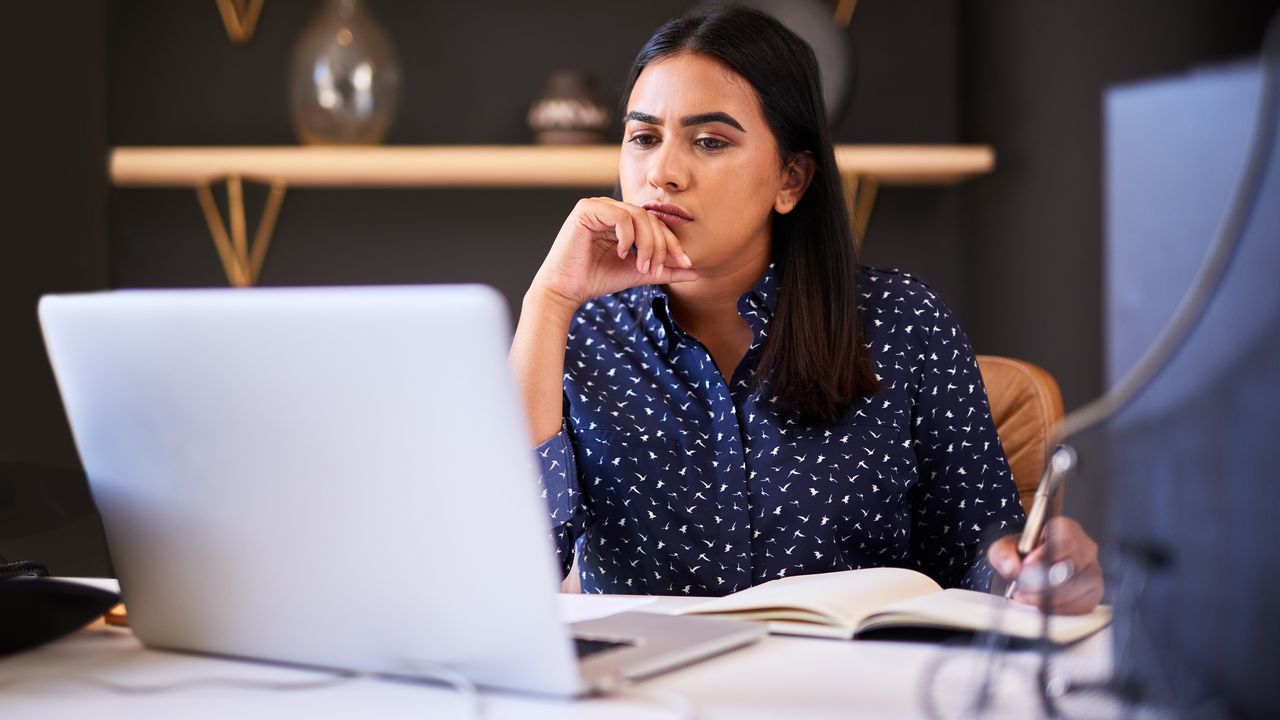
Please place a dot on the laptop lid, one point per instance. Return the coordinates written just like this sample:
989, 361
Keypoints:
334, 477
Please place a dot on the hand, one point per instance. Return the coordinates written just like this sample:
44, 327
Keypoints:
591, 255
1075, 556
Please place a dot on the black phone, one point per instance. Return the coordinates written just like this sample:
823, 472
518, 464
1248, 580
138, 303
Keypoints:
36, 609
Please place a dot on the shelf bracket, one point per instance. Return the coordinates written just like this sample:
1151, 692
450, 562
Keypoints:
860, 198
844, 12
240, 18
241, 261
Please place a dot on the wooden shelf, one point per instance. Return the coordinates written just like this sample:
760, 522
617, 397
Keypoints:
864, 168
459, 166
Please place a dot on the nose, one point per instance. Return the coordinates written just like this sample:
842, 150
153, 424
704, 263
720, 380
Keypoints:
668, 168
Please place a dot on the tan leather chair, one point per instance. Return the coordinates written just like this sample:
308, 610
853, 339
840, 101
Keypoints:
1025, 405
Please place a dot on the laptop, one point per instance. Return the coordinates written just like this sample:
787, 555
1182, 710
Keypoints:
335, 477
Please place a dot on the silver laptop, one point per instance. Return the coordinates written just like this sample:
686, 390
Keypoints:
337, 478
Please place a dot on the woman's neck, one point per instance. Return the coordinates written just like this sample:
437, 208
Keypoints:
713, 297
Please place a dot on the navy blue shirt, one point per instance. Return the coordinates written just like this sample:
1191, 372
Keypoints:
667, 480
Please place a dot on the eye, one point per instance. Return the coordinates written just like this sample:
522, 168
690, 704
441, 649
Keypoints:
643, 139
710, 143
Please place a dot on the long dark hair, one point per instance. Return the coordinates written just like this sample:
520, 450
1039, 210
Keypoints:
813, 357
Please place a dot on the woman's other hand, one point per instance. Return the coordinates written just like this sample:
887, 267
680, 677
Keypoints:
591, 255
1073, 569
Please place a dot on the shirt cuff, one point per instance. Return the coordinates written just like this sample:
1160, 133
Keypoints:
558, 476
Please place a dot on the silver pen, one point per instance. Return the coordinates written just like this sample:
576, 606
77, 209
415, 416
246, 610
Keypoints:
1060, 463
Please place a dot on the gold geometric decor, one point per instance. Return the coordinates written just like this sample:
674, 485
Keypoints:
240, 17
241, 261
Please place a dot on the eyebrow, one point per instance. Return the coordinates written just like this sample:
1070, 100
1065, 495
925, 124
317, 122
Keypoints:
687, 120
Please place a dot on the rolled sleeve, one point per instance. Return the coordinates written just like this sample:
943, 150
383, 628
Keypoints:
558, 478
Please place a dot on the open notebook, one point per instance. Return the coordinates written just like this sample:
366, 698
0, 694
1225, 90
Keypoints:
848, 603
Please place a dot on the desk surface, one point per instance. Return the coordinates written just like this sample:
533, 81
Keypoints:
780, 677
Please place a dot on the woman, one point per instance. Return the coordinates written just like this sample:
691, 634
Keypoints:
722, 394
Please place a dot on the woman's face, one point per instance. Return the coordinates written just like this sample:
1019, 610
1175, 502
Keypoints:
698, 153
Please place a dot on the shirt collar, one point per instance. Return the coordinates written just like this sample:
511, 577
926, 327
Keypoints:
756, 306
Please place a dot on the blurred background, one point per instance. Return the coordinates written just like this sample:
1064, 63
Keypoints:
1017, 254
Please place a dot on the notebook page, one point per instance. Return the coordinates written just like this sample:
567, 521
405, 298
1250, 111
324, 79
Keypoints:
969, 610
844, 597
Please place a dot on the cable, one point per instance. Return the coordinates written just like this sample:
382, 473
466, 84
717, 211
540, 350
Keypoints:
983, 697
420, 669
22, 568
678, 704
454, 679
224, 682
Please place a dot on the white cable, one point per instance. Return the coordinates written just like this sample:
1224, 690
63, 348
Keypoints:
454, 679
679, 705
415, 670
228, 682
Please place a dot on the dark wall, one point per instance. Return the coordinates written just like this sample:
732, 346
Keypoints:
53, 238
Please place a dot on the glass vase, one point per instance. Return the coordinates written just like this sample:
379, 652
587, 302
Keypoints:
345, 80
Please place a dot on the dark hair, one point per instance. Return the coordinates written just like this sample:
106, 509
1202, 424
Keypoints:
813, 356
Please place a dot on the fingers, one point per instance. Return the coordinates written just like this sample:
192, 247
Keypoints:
671, 264
579, 265
646, 239
632, 227
676, 256
625, 231
1003, 556
666, 255
1065, 566
657, 247
659, 256
679, 275
607, 219
1080, 594
1067, 539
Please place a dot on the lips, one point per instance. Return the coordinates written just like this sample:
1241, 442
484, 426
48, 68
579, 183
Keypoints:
670, 215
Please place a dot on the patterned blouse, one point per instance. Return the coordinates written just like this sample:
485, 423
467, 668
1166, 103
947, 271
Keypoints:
668, 480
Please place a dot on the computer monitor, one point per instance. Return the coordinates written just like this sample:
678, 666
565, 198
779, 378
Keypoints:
1191, 463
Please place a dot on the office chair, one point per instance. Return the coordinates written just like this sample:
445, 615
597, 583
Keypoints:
1025, 405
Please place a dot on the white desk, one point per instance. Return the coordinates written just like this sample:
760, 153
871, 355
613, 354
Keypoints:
778, 678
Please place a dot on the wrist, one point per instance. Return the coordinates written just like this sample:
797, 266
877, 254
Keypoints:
546, 302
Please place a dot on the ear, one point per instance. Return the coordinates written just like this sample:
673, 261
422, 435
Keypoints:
796, 176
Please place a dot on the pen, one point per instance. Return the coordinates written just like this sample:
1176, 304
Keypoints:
1062, 461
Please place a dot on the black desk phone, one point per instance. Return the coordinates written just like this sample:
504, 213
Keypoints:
35, 609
